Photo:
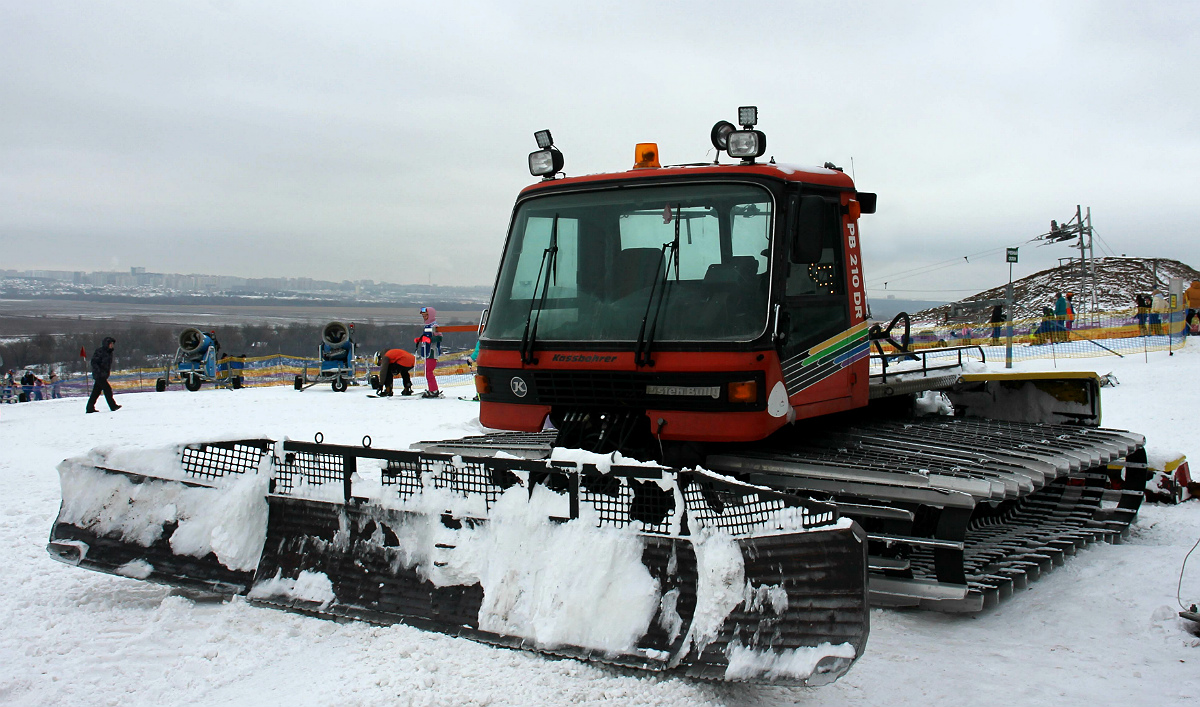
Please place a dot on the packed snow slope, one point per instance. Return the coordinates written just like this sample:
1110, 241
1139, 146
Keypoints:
1100, 631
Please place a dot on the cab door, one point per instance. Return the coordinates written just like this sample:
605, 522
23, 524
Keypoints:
819, 339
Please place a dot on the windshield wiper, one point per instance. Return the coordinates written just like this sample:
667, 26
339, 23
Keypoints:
646, 339
549, 266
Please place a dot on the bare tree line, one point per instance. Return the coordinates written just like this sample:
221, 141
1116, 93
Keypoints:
143, 345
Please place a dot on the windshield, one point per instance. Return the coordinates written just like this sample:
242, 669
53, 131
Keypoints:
597, 285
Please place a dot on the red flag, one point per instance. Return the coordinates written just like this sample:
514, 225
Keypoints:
82, 352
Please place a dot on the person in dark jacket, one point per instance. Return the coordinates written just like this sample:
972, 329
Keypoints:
996, 320
1143, 302
1061, 307
27, 386
101, 367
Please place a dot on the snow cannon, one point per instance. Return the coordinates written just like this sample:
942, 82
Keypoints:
336, 343
197, 361
594, 557
336, 357
194, 344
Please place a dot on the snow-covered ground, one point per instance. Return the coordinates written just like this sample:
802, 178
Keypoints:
1102, 630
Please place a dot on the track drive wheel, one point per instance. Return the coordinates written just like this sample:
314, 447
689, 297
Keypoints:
192, 383
339, 385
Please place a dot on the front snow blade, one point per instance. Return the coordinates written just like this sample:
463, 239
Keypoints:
157, 523
639, 566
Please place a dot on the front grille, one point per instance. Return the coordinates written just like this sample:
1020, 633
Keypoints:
623, 390
587, 388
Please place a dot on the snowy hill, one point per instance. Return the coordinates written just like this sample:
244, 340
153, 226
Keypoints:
1101, 630
1117, 281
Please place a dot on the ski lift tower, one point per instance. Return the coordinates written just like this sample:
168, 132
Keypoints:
1080, 227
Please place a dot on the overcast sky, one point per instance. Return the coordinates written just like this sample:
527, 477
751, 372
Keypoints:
388, 141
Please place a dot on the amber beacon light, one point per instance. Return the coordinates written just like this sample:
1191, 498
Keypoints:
645, 155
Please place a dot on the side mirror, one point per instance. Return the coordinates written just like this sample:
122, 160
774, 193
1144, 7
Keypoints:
809, 218
866, 201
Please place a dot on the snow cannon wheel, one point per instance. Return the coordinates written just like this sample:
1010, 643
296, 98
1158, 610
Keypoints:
192, 383
298, 384
160, 385
236, 383
340, 385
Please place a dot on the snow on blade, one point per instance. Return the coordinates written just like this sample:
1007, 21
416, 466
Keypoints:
756, 599
556, 584
668, 617
136, 569
228, 521
603, 462
309, 586
720, 580
233, 526
795, 663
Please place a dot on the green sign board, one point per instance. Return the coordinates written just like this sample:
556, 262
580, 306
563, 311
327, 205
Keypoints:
1011, 255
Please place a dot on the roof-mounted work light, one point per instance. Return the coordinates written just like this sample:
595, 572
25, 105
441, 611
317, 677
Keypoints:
547, 161
746, 143
720, 135
748, 117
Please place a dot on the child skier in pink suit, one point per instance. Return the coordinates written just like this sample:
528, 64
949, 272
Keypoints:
429, 347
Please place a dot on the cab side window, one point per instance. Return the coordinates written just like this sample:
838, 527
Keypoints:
815, 291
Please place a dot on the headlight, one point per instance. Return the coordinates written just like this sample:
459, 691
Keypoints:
747, 143
544, 163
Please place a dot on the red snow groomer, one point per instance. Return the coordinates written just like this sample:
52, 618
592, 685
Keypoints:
709, 321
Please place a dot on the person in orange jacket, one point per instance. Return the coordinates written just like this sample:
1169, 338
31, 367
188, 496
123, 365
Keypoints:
395, 362
1191, 299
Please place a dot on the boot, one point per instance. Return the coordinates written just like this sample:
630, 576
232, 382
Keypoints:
432, 394
406, 391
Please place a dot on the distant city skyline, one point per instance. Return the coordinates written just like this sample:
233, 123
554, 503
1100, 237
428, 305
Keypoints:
139, 277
